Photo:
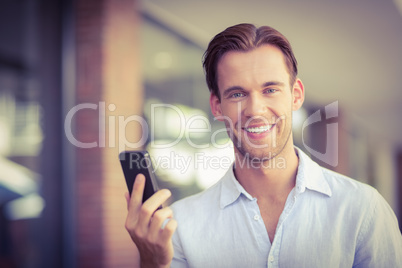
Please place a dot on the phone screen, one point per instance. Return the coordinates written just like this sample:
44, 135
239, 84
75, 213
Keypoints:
134, 163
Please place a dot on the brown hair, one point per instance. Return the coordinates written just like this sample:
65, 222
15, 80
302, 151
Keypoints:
244, 37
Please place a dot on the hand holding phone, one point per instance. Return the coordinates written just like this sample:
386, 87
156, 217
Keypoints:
139, 162
151, 227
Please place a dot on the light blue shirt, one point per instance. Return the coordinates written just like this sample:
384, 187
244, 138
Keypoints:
329, 220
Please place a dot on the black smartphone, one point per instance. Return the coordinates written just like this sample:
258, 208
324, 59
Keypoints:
134, 163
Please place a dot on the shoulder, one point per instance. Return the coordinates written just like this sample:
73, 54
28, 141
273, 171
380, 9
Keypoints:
344, 185
368, 218
359, 198
356, 196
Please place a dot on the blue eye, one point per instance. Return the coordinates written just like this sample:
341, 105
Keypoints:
271, 90
237, 95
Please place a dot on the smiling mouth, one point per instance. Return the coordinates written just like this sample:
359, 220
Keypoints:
260, 129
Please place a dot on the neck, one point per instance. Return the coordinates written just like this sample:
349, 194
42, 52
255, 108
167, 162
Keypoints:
272, 179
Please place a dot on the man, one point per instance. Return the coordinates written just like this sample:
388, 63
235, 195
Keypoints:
261, 215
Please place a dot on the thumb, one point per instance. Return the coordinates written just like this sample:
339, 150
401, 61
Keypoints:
127, 196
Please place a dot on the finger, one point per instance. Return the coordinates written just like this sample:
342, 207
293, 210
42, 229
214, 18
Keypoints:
150, 206
127, 197
157, 199
134, 203
167, 233
158, 219
137, 193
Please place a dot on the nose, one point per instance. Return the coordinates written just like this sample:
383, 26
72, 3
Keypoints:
254, 106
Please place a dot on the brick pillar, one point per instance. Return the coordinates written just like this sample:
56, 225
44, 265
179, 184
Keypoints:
89, 178
123, 91
108, 76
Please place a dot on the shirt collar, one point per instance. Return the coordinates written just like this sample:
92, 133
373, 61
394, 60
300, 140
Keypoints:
309, 176
231, 189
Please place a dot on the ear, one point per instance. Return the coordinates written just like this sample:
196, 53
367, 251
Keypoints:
298, 95
215, 104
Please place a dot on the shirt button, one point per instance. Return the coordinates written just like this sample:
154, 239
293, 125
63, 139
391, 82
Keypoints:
256, 217
271, 258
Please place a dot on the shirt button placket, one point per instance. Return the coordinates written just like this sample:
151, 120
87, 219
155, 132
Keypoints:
273, 257
271, 260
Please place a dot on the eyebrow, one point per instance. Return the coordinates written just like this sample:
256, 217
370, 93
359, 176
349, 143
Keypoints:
273, 83
227, 91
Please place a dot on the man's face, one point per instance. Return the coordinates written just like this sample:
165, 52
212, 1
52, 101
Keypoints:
257, 101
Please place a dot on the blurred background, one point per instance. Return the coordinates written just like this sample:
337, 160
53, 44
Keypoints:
78, 77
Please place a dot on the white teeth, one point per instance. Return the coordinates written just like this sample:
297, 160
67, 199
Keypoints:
258, 129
